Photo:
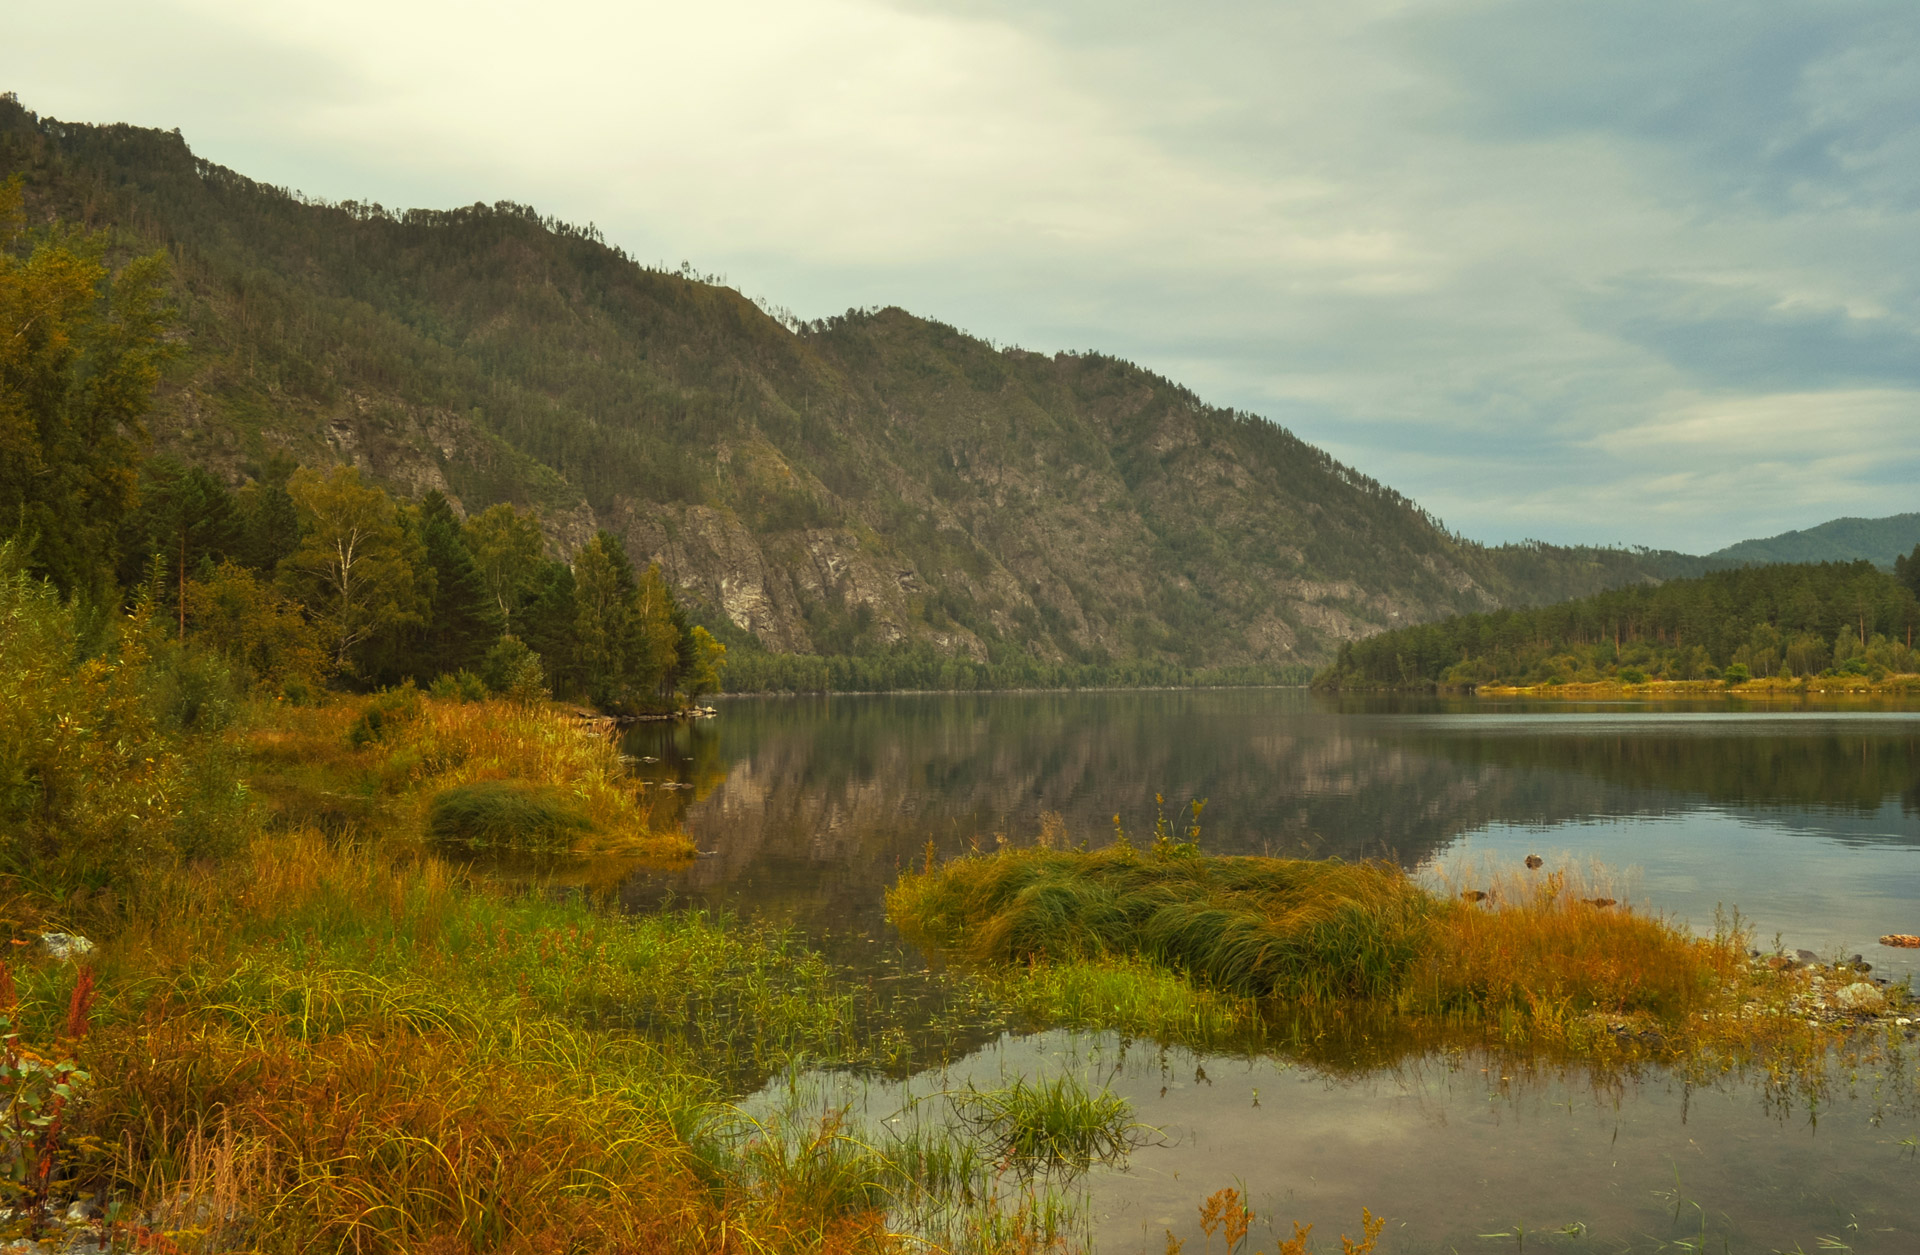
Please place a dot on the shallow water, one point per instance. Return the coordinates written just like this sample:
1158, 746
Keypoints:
1805, 819
1457, 1155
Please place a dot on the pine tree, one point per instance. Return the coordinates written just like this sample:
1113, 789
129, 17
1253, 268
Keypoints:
464, 620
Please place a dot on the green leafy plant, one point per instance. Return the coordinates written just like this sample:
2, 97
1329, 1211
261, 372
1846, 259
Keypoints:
36, 1090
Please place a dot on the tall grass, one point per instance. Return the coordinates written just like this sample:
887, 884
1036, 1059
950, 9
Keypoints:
337, 1049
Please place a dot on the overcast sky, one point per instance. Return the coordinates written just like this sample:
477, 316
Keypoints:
1639, 271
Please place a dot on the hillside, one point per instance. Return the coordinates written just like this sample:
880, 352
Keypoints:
1878, 541
865, 484
1783, 621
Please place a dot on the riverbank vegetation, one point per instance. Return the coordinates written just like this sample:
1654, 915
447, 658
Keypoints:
296, 1024
1830, 623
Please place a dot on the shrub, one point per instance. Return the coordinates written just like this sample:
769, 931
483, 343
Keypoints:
107, 758
386, 716
1737, 674
1632, 675
506, 815
514, 671
462, 685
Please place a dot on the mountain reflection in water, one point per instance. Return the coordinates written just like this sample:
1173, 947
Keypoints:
1806, 819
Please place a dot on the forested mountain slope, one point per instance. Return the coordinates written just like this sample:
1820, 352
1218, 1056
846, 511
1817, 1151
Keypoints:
869, 483
1878, 541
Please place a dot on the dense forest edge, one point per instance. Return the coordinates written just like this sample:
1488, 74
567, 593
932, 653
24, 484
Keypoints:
1824, 625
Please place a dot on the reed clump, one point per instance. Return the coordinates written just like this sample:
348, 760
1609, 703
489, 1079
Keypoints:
1257, 926
1534, 952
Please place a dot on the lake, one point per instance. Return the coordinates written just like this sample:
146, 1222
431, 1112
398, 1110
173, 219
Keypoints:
1806, 819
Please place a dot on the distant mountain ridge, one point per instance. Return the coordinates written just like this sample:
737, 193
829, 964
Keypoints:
865, 483
1878, 541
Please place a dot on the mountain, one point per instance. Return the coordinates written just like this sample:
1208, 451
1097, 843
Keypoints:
1878, 541
865, 483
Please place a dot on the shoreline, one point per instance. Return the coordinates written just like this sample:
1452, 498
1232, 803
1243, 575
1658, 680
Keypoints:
1762, 689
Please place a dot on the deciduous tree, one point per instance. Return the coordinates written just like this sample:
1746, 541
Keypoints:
79, 358
354, 569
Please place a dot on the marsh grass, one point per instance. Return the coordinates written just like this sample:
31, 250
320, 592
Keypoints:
1129, 995
505, 814
995, 1168
1264, 948
1253, 927
320, 1046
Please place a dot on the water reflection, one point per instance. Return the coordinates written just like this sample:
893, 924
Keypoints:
1807, 819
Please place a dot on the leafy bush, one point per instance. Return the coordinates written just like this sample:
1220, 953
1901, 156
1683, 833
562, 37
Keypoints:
1736, 674
462, 685
386, 716
108, 759
514, 671
1632, 675
507, 815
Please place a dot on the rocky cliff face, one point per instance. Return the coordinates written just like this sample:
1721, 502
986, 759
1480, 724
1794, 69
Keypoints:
852, 485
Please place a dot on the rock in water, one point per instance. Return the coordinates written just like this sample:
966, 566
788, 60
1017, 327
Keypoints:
65, 945
1860, 996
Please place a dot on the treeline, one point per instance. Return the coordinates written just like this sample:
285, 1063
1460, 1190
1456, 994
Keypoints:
304, 577
919, 668
1772, 621
307, 577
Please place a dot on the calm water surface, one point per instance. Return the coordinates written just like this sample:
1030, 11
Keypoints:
1805, 819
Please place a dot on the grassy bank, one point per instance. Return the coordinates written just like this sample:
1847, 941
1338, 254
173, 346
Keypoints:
305, 1023
340, 1040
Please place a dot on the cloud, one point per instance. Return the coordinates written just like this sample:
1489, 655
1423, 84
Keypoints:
1490, 251
1721, 335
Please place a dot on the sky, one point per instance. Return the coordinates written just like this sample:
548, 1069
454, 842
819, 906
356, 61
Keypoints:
1604, 271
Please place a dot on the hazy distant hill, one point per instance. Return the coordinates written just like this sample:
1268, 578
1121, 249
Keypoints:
858, 484
1879, 541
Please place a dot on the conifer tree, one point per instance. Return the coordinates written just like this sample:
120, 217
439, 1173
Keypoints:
464, 620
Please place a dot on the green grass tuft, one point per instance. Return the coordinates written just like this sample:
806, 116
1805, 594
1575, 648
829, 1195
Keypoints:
506, 815
1254, 926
